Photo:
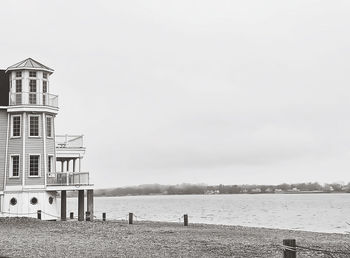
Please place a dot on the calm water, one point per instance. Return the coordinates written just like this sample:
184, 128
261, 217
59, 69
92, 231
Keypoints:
311, 212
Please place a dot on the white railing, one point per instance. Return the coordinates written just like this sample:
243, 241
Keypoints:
68, 179
70, 141
33, 98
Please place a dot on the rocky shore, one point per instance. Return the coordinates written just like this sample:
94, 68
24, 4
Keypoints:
22, 237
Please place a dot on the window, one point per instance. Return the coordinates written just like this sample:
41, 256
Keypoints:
34, 126
13, 201
32, 90
45, 75
34, 201
44, 91
49, 164
18, 92
14, 169
32, 74
49, 126
18, 74
45, 86
32, 85
16, 126
34, 165
18, 85
50, 199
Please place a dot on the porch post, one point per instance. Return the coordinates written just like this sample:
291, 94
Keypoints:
81, 205
62, 166
90, 203
74, 160
68, 165
63, 205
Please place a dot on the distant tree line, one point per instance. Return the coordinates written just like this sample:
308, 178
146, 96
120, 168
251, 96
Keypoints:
157, 189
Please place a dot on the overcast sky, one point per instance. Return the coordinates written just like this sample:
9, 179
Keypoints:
200, 91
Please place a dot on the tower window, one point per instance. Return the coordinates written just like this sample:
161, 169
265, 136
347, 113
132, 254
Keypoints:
18, 85
44, 86
45, 75
34, 165
49, 126
44, 91
16, 126
14, 169
32, 74
33, 125
32, 90
18, 74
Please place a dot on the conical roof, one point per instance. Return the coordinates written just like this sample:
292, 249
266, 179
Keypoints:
29, 64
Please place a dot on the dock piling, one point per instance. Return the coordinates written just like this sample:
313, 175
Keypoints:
80, 205
88, 216
131, 218
185, 220
290, 248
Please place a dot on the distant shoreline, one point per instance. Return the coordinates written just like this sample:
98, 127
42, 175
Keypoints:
74, 195
221, 194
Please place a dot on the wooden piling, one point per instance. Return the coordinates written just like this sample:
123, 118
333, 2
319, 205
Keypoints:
81, 205
90, 203
104, 216
131, 218
71, 215
290, 251
88, 216
63, 205
185, 220
39, 214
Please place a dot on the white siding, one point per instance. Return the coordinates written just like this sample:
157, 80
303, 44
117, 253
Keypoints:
3, 133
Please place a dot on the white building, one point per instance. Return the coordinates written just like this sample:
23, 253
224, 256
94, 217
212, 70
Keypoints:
29, 148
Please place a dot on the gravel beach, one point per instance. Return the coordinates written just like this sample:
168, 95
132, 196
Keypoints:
22, 237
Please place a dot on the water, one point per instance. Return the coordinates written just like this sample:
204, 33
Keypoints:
310, 212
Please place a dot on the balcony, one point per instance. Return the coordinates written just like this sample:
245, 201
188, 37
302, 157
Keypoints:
33, 98
68, 179
69, 141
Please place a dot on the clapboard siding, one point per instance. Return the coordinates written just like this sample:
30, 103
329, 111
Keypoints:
15, 147
3, 134
35, 145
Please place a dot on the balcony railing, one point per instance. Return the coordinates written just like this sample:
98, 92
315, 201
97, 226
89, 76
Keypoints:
68, 179
33, 98
69, 141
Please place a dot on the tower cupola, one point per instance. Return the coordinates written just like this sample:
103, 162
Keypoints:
29, 85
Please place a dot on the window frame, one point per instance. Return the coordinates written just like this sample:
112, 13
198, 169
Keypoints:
18, 83
18, 73
29, 126
50, 164
20, 126
47, 131
34, 72
39, 165
11, 165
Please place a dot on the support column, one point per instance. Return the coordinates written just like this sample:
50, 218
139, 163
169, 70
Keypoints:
74, 160
90, 203
62, 166
63, 205
68, 165
81, 205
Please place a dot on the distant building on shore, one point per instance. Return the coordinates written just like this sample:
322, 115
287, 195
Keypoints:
36, 165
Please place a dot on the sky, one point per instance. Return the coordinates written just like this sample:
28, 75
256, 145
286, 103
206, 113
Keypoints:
213, 92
